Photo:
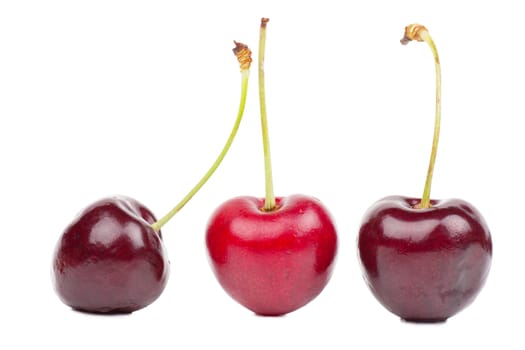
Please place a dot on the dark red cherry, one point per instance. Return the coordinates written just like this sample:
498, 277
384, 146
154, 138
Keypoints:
109, 259
428, 264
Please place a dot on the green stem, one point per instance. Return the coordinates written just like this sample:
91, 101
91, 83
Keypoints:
269, 202
244, 88
420, 33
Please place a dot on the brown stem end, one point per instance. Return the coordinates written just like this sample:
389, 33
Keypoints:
243, 54
413, 32
264, 21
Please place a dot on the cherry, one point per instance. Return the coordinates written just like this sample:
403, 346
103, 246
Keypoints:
272, 255
111, 258
424, 260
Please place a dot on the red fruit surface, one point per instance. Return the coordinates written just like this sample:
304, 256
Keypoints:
109, 259
272, 262
424, 265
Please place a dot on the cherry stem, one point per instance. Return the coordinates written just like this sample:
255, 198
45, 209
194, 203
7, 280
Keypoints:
420, 33
243, 54
269, 202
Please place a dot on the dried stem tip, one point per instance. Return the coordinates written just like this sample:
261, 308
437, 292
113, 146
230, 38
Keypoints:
243, 54
413, 32
264, 21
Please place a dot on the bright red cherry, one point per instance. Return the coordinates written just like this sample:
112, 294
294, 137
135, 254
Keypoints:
272, 255
272, 262
111, 258
424, 260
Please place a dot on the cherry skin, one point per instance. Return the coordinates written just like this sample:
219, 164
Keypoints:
109, 259
272, 262
424, 265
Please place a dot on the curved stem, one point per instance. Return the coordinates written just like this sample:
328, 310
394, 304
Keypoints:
244, 56
420, 33
269, 202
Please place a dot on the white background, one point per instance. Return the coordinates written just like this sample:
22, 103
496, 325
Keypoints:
137, 98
